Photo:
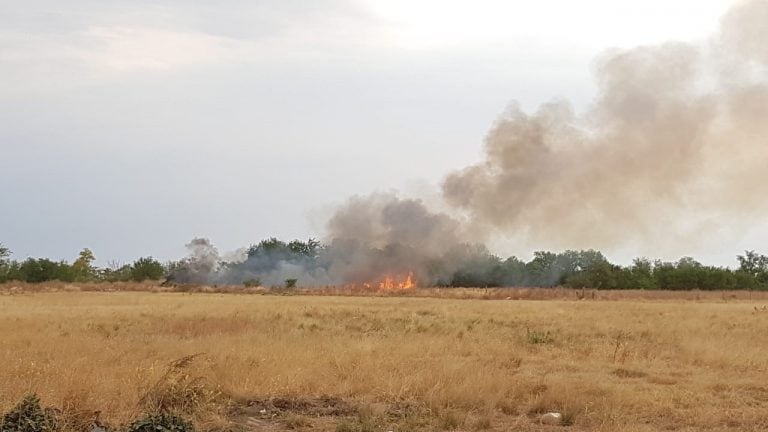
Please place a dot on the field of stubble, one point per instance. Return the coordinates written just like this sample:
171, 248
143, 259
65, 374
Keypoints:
261, 362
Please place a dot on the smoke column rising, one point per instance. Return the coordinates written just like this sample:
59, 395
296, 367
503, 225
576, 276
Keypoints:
676, 143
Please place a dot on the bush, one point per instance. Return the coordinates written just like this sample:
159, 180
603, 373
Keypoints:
42, 270
161, 423
147, 269
28, 416
252, 283
116, 273
539, 337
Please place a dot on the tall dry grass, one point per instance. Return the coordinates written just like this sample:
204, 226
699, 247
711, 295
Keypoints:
467, 364
516, 293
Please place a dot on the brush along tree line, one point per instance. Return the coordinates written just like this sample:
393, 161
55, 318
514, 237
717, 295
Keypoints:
476, 268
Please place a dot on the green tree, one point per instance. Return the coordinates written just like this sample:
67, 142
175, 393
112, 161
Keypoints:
83, 267
42, 270
543, 269
756, 265
642, 274
4, 253
5, 264
512, 272
308, 248
115, 272
600, 275
147, 268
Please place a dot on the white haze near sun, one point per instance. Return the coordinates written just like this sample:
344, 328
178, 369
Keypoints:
132, 127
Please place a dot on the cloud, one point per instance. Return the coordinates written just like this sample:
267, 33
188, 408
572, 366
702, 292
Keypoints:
41, 63
131, 48
46, 48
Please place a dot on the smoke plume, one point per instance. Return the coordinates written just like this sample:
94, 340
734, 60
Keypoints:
677, 138
676, 142
382, 234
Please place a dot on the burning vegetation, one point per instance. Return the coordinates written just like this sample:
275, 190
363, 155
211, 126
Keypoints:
274, 263
389, 283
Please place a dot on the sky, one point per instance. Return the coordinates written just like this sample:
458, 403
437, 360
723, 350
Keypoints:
132, 127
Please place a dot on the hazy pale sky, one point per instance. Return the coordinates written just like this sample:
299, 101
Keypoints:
130, 127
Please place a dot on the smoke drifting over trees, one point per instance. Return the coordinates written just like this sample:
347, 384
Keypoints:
676, 141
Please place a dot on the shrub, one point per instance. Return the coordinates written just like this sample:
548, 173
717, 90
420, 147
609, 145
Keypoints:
29, 416
539, 337
116, 273
161, 423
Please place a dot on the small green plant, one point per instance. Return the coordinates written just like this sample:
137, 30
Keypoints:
29, 416
536, 337
291, 283
161, 423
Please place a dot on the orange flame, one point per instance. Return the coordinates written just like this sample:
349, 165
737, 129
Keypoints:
390, 283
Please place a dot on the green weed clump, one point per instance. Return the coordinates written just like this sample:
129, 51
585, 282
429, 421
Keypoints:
536, 337
161, 423
29, 416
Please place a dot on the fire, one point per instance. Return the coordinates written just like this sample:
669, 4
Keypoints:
390, 283
393, 283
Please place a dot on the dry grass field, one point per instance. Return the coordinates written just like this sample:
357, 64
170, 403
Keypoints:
364, 364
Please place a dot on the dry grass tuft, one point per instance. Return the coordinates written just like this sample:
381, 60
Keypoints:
183, 388
629, 373
78, 414
296, 421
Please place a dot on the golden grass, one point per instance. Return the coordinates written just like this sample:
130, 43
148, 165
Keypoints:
440, 364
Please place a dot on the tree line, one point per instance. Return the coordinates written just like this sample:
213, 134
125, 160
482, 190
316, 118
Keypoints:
36, 270
590, 269
471, 267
